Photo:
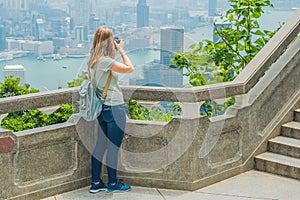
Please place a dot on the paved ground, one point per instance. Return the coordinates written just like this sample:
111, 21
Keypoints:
252, 185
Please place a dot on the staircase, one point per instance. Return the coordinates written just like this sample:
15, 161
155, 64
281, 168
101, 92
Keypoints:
283, 155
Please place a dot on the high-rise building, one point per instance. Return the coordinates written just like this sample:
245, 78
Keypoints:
127, 13
80, 15
38, 27
142, 14
80, 34
212, 7
80, 12
17, 4
17, 71
35, 47
94, 23
41, 28
171, 41
2, 38
152, 73
2, 11
15, 9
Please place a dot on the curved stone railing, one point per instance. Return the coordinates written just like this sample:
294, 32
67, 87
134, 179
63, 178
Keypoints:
186, 153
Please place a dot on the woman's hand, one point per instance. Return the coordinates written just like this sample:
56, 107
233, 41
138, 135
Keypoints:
124, 67
120, 47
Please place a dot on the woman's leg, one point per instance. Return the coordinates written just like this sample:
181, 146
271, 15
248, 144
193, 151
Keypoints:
99, 150
115, 117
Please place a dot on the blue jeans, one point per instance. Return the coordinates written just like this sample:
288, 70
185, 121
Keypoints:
112, 123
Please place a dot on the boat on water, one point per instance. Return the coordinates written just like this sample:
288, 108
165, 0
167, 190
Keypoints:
64, 67
6, 56
40, 58
57, 57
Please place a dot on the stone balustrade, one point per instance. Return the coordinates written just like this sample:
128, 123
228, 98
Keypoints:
188, 153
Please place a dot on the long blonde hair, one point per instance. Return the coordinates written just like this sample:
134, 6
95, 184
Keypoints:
103, 45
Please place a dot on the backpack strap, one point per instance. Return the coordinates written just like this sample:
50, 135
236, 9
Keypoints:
106, 86
104, 93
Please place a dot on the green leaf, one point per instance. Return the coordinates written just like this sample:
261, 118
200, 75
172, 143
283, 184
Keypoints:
259, 32
231, 17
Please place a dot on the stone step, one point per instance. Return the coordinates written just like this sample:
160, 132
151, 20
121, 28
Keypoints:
297, 115
278, 164
285, 146
291, 129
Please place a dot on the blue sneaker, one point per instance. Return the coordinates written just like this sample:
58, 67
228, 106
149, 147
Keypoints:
118, 186
97, 187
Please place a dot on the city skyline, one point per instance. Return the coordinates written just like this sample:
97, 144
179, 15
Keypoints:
56, 14
54, 28
72, 23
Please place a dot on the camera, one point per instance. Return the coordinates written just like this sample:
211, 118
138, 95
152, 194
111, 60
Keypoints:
117, 40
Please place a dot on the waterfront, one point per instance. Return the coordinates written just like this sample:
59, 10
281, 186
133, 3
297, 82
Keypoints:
51, 74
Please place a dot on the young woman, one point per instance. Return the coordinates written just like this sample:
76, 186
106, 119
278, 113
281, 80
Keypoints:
112, 120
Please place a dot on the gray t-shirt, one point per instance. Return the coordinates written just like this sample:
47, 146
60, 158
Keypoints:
114, 94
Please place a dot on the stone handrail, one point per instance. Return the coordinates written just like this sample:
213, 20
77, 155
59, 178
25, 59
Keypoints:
241, 85
36, 100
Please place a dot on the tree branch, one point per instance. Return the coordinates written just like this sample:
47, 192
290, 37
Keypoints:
220, 34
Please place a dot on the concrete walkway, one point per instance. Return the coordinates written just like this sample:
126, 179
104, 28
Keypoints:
250, 185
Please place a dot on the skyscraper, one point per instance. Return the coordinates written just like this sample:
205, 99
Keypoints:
94, 23
2, 38
17, 4
38, 27
127, 11
41, 28
212, 6
79, 34
80, 15
142, 14
17, 71
80, 12
171, 41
